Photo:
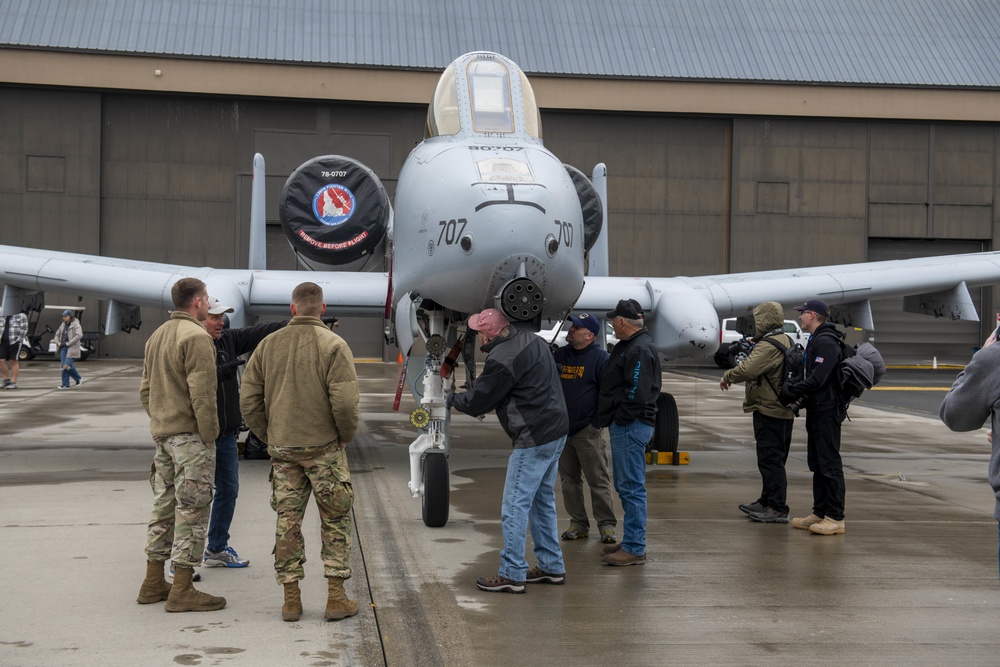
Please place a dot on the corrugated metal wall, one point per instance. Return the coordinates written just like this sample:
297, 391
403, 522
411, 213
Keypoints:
166, 178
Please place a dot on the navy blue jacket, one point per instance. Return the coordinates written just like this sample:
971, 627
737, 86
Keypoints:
232, 344
823, 352
520, 382
580, 372
631, 382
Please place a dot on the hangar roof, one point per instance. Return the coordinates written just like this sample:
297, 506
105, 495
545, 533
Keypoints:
855, 42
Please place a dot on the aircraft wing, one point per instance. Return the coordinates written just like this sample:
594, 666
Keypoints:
129, 284
686, 311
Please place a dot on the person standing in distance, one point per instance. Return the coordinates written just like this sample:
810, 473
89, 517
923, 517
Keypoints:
230, 344
581, 366
15, 328
520, 382
627, 406
67, 338
824, 415
761, 372
178, 392
300, 395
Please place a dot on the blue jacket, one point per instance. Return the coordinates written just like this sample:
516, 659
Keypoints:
631, 383
580, 372
823, 352
520, 382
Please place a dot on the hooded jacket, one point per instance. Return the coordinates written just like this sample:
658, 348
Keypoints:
631, 383
521, 383
178, 386
300, 388
973, 399
762, 369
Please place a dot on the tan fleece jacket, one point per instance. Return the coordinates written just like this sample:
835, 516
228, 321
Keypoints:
300, 388
179, 387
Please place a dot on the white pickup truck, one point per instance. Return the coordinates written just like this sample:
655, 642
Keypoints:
733, 345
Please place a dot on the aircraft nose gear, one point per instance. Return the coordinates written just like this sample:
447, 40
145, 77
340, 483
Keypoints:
521, 299
420, 418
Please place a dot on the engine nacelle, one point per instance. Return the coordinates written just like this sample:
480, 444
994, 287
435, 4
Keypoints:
590, 206
684, 322
335, 212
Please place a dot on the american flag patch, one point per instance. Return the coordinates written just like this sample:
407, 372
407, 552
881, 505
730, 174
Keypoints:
819, 360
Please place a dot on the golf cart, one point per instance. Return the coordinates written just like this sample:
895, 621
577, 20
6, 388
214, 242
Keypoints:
35, 348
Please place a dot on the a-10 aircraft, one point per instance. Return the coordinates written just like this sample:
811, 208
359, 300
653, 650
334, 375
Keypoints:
484, 216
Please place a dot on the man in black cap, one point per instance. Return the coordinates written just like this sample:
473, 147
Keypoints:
627, 406
824, 415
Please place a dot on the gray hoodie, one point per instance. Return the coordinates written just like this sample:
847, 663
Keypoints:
974, 398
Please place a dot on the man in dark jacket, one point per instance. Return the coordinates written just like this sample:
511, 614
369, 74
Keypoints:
581, 365
824, 414
520, 382
230, 344
627, 406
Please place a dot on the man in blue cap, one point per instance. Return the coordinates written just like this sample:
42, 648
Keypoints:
824, 414
581, 366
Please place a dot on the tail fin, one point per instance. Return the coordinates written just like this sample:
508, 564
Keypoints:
258, 217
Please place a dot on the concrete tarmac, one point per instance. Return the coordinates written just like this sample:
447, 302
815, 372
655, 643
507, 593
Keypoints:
913, 582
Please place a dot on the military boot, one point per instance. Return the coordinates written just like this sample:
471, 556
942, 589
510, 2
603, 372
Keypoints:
337, 604
292, 609
154, 587
184, 597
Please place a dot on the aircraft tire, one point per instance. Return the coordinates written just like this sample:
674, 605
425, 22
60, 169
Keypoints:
666, 431
437, 490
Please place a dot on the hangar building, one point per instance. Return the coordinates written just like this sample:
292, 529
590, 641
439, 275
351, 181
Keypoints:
739, 135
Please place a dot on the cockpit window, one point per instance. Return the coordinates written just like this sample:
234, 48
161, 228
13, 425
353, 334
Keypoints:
489, 89
442, 116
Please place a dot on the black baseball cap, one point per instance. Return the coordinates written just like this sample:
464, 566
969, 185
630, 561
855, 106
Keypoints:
627, 308
815, 305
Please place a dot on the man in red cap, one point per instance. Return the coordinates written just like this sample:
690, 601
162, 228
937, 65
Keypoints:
521, 383
824, 414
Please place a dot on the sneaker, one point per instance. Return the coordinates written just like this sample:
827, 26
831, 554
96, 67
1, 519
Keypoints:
498, 584
611, 548
536, 576
12, 385
805, 522
622, 558
755, 506
79, 382
828, 526
608, 536
575, 534
63, 386
225, 558
6, 381
194, 577
769, 516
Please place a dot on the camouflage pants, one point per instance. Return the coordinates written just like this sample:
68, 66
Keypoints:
294, 473
182, 477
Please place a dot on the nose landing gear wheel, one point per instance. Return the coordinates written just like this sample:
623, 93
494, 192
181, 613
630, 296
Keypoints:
437, 490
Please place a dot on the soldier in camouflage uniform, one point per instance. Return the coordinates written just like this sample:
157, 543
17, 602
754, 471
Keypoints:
178, 392
300, 394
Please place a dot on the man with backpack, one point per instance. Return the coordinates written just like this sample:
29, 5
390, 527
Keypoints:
819, 393
763, 372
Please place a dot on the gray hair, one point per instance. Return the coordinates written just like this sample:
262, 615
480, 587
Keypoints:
638, 324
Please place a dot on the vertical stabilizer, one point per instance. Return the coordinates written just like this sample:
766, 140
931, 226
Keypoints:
258, 219
597, 258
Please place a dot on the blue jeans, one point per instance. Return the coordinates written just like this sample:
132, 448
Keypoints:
227, 488
628, 463
529, 501
68, 369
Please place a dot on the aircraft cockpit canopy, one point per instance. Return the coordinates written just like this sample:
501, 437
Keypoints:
493, 98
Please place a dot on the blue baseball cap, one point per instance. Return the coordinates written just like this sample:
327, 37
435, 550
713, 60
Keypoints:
67, 312
587, 321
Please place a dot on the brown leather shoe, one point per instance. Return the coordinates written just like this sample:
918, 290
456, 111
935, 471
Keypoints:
611, 548
622, 558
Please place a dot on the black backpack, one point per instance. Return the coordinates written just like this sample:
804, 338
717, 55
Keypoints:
793, 365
